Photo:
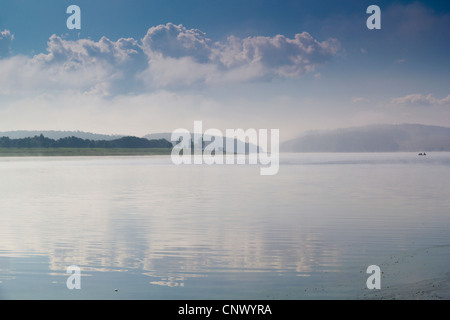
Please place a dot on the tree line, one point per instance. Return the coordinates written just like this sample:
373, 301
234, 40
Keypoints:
74, 142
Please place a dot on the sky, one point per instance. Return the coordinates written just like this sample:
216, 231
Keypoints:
140, 67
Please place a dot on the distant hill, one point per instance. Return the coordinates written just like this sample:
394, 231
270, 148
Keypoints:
373, 138
52, 134
236, 143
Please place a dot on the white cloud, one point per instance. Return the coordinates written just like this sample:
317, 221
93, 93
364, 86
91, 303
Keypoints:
277, 56
82, 65
420, 99
181, 56
168, 56
175, 41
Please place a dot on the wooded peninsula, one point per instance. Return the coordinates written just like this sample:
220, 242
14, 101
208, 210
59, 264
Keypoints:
73, 146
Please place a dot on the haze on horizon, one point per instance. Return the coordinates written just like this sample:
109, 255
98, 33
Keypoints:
153, 66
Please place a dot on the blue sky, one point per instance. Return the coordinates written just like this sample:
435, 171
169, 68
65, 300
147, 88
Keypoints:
138, 67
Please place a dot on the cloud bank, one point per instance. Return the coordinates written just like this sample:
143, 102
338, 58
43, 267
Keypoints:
168, 56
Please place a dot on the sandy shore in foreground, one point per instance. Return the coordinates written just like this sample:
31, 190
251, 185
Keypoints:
417, 275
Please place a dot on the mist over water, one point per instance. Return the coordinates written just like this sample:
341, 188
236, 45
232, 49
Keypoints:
153, 230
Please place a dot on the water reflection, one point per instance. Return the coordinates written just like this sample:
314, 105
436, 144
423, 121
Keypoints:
178, 226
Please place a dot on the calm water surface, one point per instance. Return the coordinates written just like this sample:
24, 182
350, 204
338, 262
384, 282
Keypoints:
153, 230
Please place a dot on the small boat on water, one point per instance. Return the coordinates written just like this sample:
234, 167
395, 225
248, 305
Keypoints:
422, 154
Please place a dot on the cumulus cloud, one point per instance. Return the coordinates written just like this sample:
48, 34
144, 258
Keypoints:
181, 56
83, 65
6, 37
279, 55
168, 55
421, 100
175, 41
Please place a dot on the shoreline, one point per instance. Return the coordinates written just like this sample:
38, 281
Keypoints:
78, 152
421, 274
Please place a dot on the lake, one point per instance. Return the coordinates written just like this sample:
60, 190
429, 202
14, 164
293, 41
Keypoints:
143, 228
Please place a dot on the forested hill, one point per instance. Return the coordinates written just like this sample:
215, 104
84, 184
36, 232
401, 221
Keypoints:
74, 142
